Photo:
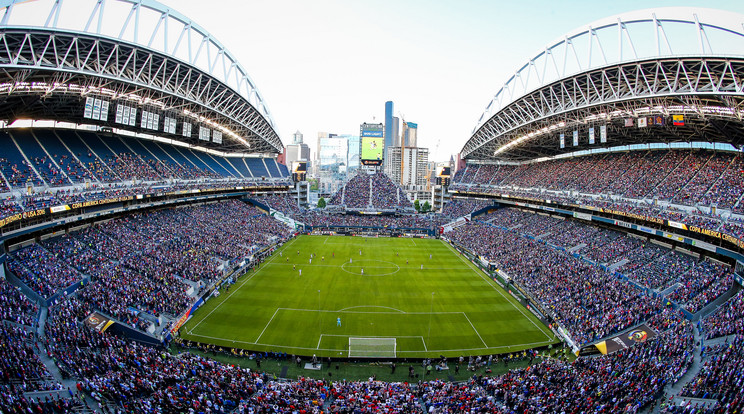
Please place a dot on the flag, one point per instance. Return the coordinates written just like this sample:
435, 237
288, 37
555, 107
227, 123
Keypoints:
659, 120
642, 122
678, 120
628, 122
591, 135
563, 141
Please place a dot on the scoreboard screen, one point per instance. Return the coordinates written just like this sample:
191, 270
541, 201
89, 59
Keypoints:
443, 176
299, 170
371, 153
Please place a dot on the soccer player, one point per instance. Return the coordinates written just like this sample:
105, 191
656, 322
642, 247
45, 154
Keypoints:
300, 272
338, 321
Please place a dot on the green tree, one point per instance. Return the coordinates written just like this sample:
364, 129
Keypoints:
416, 204
321, 202
426, 207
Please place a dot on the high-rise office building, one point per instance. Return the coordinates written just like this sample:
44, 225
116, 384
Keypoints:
297, 138
408, 167
337, 156
297, 151
409, 135
389, 137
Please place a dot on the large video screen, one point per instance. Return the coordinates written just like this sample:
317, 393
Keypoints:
299, 170
372, 148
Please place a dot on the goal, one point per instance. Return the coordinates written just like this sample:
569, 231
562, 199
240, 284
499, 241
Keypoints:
372, 347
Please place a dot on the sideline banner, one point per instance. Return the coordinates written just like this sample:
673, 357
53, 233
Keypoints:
98, 322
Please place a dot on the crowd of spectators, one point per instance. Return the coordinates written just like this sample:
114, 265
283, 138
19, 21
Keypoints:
459, 207
21, 369
589, 300
373, 397
370, 191
139, 263
41, 271
720, 378
679, 177
15, 306
727, 320
626, 381
141, 378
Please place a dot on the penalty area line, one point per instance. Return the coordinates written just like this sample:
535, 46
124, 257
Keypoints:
261, 267
494, 287
266, 326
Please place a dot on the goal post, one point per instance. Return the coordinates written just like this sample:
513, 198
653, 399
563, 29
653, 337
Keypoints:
372, 347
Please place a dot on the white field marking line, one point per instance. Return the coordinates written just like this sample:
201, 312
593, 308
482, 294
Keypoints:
414, 241
266, 326
241, 285
375, 336
400, 352
476, 331
355, 264
381, 313
490, 283
372, 306
422, 341
326, 240
319, 339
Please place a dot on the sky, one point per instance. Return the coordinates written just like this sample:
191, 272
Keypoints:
330, 65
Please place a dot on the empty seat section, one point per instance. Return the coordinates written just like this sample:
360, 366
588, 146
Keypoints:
62, 156
153, 157
283, 170
14, 166
273, 168
126, 164
239, 165
212, 162
40, 159
191, 159
88, 154
257, 167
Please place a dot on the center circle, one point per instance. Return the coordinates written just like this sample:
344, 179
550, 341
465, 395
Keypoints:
370, 268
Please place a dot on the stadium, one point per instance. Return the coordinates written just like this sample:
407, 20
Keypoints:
157, 256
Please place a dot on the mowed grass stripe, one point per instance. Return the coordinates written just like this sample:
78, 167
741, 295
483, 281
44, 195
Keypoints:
276, 308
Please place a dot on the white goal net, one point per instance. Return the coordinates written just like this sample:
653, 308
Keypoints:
372, 347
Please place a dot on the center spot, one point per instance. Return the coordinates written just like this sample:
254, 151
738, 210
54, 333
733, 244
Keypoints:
366, 267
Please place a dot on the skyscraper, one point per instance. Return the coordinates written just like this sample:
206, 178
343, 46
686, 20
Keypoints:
297, 151
409, 135
389, 137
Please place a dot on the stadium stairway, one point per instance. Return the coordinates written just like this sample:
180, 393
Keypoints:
51, 158
670, 289
711, 307
29, 164
75, 157
51, 366
671, 390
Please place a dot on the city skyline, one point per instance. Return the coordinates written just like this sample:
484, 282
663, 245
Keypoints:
331, 65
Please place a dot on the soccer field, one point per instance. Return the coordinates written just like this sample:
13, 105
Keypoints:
385, 296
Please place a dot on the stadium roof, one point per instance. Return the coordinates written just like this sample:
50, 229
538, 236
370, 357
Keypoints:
136, 53
642, 67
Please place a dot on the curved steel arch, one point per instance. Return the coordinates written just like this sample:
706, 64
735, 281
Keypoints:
710, 88
612, 42
136, 50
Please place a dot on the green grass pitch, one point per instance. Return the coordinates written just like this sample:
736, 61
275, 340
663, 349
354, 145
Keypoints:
419, 291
